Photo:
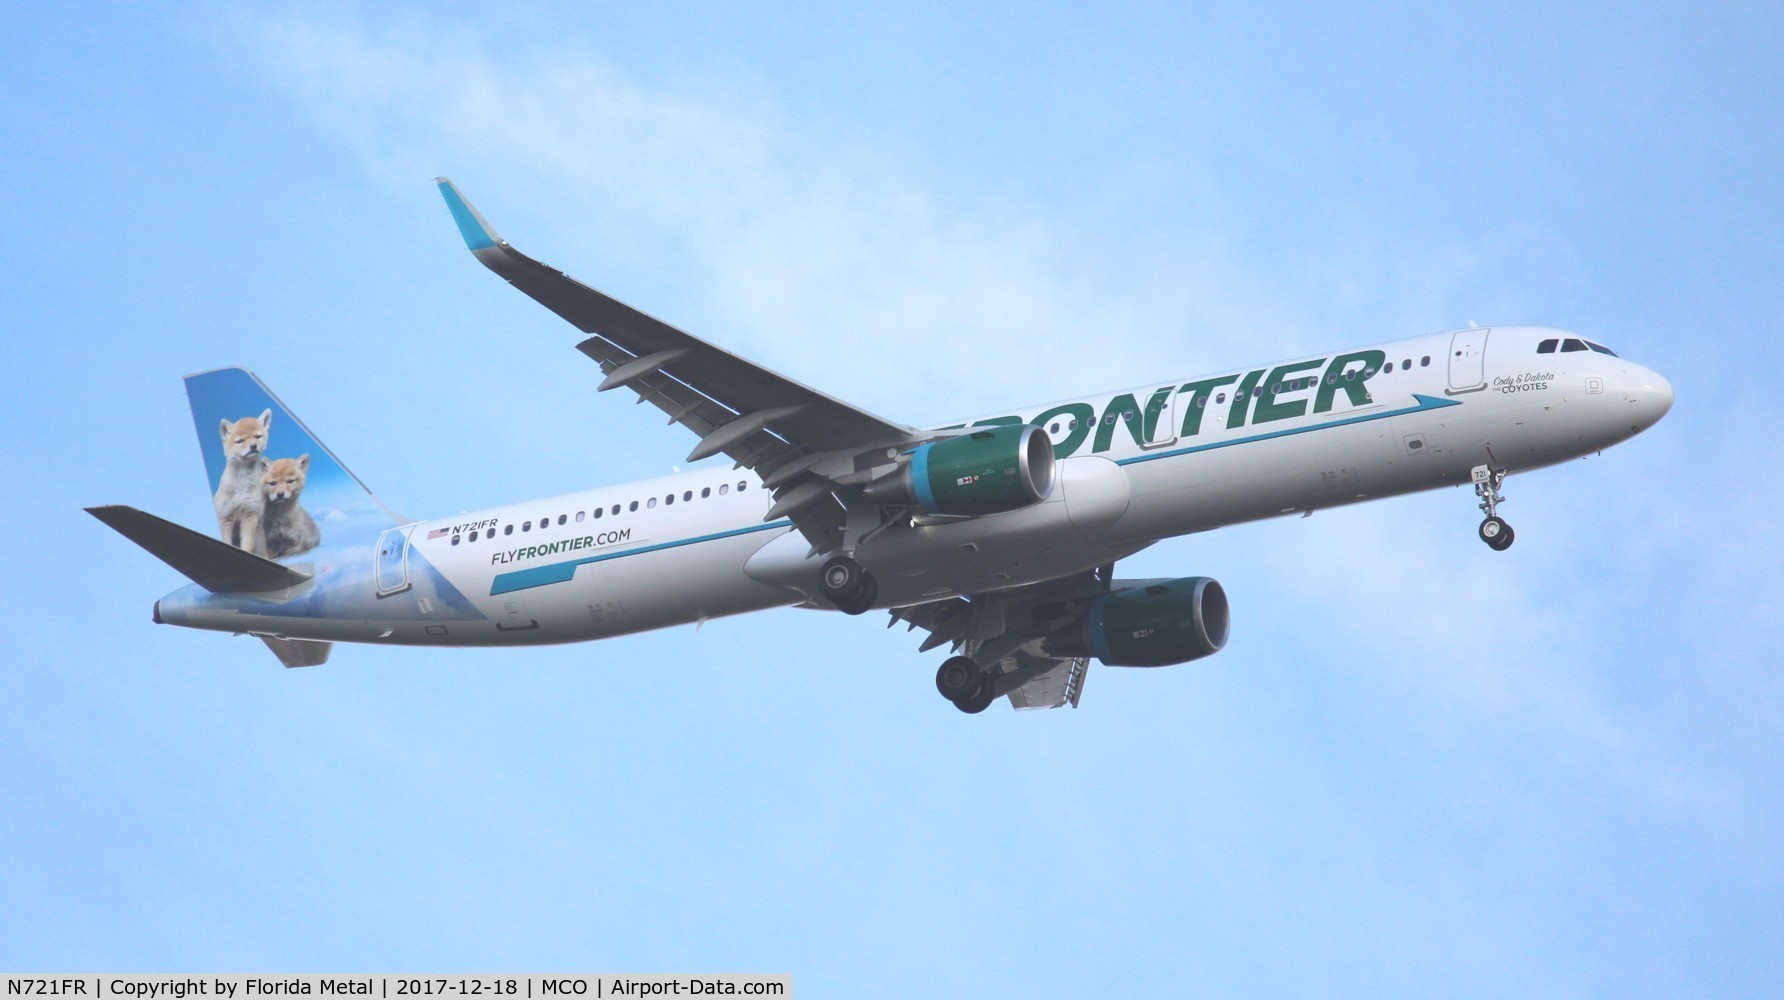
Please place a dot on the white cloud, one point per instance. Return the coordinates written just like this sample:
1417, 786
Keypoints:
841, 264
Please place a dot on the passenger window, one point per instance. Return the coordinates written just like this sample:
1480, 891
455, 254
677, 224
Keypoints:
1425, 362
1368, 372
1406, 364
579, 516
1570, 345
669, 499
652, 503
1073, 425
635, 504
507, 529
1547, 346
724, 488
743, 486
563, 518
455, 539
1220, 397
705, 492
1331, 380
1054, 429
688, 495
1201, 402
615, 511
1256, 391
1387, 368
526, 525
598, 512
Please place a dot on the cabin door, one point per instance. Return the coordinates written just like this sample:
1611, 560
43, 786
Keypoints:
1468, 361
391, 570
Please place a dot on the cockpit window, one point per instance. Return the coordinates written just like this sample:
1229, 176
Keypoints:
1571, 344
1547, 346
1600, 348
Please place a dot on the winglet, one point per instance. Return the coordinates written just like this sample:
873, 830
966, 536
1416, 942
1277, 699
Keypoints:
477, 233
215, 565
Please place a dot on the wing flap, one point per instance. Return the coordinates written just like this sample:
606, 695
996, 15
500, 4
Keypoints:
1060, 684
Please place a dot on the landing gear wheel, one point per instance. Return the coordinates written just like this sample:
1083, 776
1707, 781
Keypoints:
846, 584
1496, 533
840, 577
863, 598
957, 678
980, 699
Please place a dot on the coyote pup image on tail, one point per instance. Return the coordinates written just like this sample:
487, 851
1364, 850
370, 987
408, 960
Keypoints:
239, 500
289, 529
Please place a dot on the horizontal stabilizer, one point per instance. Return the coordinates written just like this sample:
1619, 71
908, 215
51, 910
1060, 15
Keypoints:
298, 652
215, 565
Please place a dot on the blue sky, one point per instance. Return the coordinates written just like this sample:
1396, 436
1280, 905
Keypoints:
1419, 767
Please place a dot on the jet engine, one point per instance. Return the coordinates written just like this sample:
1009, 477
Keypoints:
1148, 623
987, 471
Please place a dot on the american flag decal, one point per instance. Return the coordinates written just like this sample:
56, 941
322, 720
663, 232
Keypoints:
437, 532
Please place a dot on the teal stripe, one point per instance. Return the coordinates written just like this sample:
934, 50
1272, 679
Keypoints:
1425, 403
539, 576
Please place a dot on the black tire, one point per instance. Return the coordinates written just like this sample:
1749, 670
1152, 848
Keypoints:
1504, 540
1496, 533
980, 700
863, 598
957, 678
840, 579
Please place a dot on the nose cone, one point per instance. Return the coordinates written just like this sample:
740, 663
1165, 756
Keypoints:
1650, 396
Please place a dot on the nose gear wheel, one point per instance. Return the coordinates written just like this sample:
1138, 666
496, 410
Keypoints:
1493, 530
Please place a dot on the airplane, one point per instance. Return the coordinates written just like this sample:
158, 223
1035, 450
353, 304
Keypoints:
997, 536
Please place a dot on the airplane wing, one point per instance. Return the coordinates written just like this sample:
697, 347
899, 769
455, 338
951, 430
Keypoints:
799, 440
1006, 629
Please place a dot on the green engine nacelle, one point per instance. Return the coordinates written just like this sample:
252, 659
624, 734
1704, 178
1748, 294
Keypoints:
1150, 624
987, 471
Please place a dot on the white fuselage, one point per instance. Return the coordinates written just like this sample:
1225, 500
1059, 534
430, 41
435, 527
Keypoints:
1163, 459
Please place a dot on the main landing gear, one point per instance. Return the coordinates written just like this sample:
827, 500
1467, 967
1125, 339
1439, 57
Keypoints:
1494, 531
962, 682
848, 585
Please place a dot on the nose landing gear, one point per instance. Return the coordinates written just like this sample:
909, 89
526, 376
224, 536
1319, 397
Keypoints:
848, 585
1494, 531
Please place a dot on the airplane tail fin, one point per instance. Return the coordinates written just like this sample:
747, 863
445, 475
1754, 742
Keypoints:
279, 491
